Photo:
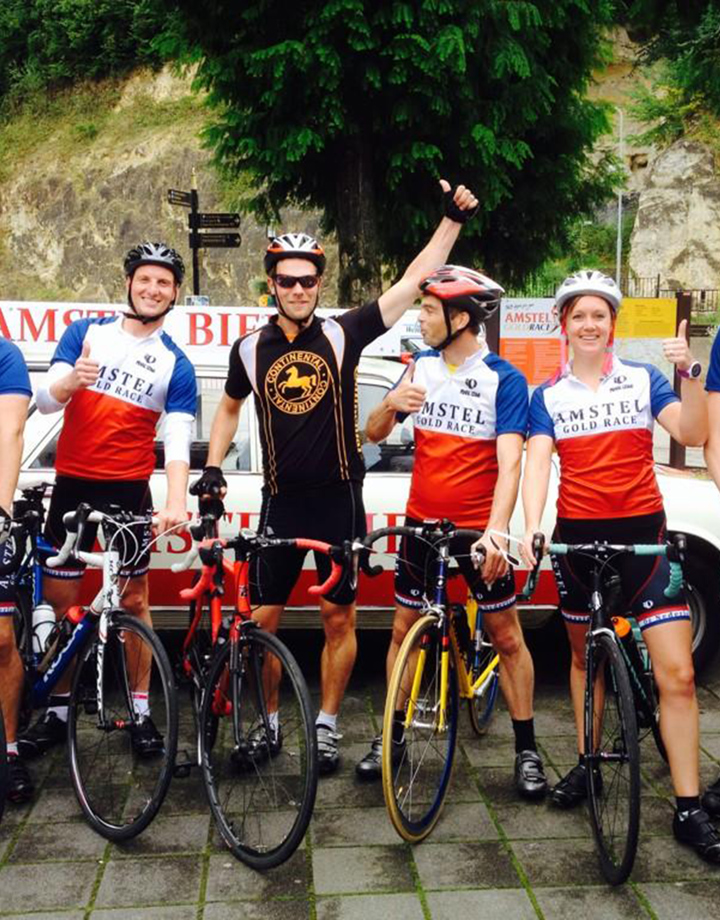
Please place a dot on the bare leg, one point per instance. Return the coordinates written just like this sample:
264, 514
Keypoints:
339, 652
11, 677
669, 645
517, 673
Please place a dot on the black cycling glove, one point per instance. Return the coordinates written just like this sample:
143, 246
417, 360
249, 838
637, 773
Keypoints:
210, 483
455, 213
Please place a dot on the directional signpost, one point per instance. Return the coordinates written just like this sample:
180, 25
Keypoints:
199, 221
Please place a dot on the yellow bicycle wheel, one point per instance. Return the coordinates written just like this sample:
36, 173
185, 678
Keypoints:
416, 773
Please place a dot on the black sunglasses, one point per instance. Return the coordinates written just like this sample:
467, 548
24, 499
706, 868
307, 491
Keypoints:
305, 281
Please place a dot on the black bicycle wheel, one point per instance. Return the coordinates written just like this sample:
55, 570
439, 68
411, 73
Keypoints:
258, 749
613, 758
416, 785
482, 704
22, 623
121, 769
647, 710
199, 652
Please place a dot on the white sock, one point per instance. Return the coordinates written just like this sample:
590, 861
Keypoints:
274, 720
12, 749
141, 703
324, 718
60, 707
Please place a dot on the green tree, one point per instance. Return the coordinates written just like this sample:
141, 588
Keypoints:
50, 43
357, 108
683, 38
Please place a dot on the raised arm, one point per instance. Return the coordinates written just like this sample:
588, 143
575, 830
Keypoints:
460, 206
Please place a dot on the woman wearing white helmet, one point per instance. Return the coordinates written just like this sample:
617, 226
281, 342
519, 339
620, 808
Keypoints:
598, 413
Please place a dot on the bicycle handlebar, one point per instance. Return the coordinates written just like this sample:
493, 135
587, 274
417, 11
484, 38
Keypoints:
74, 523
248, 540
435, 533
673, 550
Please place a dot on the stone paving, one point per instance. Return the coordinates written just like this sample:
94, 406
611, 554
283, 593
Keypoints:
489, 854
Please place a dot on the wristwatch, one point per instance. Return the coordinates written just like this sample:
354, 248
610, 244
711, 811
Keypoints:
693, 372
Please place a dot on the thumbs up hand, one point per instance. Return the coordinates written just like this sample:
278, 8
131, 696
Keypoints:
407, 396
86, 369
677, 349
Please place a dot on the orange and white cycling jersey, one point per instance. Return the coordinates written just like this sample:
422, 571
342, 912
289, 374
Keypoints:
109, 428
456, 429
604, 439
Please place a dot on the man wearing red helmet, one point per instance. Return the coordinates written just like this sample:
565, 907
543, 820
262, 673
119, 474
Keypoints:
470, 417
302, 372
114, 378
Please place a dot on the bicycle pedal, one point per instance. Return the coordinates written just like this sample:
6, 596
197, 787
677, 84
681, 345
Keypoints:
183, 766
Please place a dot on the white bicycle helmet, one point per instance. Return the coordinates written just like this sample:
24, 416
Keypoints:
588, 282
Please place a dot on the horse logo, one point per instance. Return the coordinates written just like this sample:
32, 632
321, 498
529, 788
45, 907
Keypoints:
297, 382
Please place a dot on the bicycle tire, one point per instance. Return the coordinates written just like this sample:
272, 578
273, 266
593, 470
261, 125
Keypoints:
615, 799
648, 714
200, 650
481, 705
416, 786
119, 790
22, 623
261, 799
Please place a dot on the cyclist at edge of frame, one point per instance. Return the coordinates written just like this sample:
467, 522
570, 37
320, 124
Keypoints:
114, 377
15, 393
467, 472
303, 372
711, 799
598, 412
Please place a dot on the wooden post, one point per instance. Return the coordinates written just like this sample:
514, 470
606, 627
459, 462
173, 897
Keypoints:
684, 306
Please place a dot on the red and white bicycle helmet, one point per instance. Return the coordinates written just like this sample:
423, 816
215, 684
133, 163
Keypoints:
295, 246
462, 289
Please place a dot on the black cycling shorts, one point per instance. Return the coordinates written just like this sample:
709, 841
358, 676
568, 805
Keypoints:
643, 578
414, 574
331, 513
7, 582
130, 495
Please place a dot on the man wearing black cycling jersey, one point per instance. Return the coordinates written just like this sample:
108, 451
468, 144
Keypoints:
15, 395
302, 371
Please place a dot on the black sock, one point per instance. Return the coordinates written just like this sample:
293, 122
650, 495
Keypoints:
524, 735
398, 729
687, 802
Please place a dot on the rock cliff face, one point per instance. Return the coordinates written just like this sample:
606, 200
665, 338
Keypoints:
74, 204
677, 228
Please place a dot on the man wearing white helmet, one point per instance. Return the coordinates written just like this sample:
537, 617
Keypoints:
302, 372
113, 378
468, 473
598, 413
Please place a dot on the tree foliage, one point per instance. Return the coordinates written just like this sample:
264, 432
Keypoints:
357, 108
683, 37
49, 43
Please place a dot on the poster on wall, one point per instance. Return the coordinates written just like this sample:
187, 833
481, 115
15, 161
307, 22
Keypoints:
530, 333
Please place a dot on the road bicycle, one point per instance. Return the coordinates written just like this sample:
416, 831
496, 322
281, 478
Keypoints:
620, 706
257, 746
446, 656
121, 676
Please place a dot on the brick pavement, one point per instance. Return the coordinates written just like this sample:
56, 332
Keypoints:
489, 853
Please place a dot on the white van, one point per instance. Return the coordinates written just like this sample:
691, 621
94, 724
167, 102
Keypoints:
206, 334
